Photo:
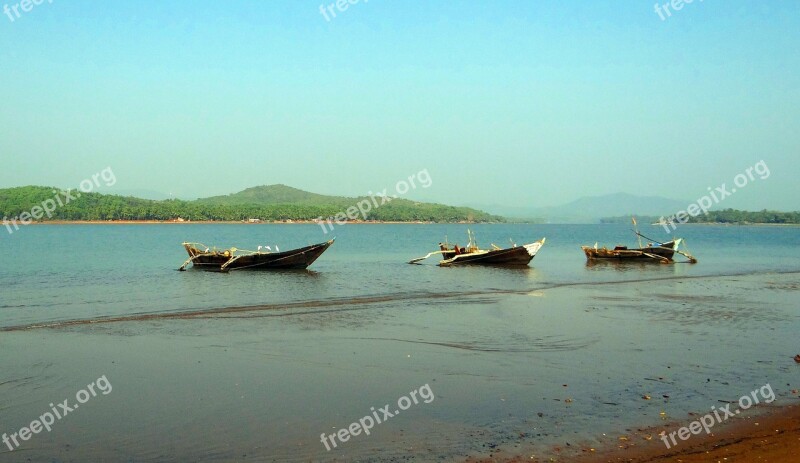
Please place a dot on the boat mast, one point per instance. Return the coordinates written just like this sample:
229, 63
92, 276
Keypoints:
636, 230
472, 246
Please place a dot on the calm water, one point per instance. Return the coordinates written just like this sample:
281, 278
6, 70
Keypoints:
518, 359
82, 271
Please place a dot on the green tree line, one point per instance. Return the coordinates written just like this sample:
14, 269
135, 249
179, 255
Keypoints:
96, 206
732, 216
744, 217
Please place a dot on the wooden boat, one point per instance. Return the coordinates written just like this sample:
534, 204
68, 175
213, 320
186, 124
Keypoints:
662, 252
515, 256
658, 252
203, 257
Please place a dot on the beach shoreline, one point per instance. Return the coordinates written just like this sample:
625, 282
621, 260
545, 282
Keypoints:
770, 434
236, 222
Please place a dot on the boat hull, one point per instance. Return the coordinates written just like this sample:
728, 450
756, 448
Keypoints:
299, 258
518, 256
665, 251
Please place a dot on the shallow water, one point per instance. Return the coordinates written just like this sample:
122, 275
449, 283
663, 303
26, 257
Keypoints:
252, 366
58, 272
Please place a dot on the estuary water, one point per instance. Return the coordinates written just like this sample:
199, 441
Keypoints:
64, 272
256, 366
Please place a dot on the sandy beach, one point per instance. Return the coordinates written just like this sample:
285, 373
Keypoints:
771, 436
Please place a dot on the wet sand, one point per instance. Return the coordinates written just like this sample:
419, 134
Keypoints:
770, 437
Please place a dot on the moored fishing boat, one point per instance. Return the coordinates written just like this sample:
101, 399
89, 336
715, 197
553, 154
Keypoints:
515, 256
652, 252
660, 252
201, 256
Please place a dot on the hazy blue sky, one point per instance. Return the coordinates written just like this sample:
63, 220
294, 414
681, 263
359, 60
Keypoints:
529, 102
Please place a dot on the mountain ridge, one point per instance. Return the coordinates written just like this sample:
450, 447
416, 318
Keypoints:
590, 209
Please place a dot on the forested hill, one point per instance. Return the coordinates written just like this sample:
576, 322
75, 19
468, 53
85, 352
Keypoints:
277, 194
272, 202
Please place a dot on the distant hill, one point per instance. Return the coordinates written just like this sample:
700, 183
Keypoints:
268, 203
138, 193
276, 194
618, 204
592, 209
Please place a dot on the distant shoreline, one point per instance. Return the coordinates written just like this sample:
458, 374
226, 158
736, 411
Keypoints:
358, 222
237, 222
758, 224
